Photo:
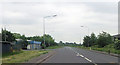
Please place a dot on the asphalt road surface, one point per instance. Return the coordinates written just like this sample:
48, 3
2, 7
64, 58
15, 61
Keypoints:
75, 55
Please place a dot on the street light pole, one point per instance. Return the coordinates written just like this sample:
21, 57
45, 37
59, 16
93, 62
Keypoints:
87, 28
88, 33
44, 29
44, 25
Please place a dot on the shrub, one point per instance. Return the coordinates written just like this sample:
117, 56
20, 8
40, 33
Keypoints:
117, 44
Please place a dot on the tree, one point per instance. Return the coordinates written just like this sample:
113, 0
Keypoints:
104, 39
61, 43
7, 36
49, 41
86, 41
23, 37
17, 35
117, 44
93, 39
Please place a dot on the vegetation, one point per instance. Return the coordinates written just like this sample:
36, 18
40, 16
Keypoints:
104, 49
49, 41
103, 42
117, 44
54, 47
17, 57
7, 36
10, 37
104, 39
86, 42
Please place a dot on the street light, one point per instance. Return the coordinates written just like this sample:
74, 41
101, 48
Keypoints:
88, 33
44, 25
87, 28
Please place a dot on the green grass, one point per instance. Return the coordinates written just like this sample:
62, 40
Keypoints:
22, 56
112, 50
54, 47
104, 49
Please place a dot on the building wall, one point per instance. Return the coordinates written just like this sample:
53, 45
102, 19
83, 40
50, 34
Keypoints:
6, 48
34, 46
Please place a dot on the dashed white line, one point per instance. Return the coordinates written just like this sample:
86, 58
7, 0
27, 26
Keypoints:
81, 55
78, 54
88, 59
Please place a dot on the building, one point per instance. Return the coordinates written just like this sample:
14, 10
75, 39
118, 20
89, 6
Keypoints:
0, 37
34, 45
116, 36
6, 46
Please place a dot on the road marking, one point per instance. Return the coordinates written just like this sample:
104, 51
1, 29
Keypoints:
81, 55
78, 54
88, 59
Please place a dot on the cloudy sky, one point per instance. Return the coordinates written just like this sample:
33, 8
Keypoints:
26, 17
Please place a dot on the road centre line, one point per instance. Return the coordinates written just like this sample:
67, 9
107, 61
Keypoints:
88, 59
78, 54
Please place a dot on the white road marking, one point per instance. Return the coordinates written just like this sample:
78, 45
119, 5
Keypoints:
78, 54
81, 55
88, 59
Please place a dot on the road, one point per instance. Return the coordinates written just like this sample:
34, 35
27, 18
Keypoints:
75, 55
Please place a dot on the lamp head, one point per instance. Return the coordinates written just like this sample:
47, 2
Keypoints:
54, 15
82, 26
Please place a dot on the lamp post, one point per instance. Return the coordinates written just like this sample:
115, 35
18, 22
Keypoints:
87, 28
88, 33
44, 25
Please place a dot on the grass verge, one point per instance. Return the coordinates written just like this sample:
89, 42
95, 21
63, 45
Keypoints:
22, 56
104, 49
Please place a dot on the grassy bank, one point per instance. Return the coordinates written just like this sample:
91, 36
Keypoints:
104, 49
22, 56
54, 47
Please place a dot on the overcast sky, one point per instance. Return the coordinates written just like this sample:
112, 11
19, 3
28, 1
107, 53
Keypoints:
26, 17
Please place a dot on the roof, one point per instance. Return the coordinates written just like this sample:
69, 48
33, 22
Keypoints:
34, 42
18, 39
5, 42
118, 35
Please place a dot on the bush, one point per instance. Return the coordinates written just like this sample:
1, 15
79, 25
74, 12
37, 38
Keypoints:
117, 44
104, 39
43, 46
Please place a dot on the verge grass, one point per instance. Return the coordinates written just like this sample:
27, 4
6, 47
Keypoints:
104, 49
21, 56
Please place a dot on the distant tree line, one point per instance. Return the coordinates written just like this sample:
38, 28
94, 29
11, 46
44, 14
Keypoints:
68, 43
102, 40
